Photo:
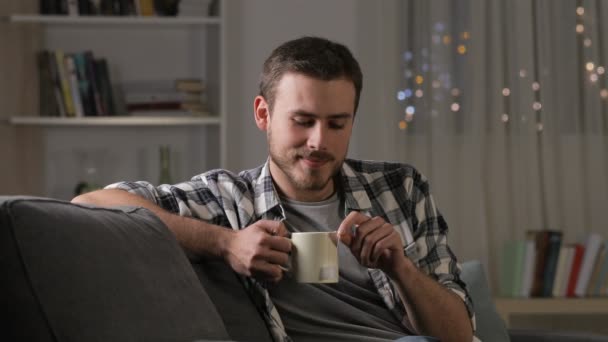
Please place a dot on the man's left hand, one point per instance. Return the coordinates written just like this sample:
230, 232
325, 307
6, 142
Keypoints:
373, 241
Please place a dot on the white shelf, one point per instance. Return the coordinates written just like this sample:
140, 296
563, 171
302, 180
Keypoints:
114, 20
113, 121
508, 307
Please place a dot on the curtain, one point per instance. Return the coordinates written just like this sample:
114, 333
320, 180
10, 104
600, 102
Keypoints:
503, 105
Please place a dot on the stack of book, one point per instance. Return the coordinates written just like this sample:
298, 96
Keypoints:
182, 97
109, 7
544, 266
74, 85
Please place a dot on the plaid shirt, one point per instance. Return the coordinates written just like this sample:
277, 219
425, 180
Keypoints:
396, 192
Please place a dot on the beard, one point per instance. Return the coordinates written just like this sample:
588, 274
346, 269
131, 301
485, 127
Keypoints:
304, 178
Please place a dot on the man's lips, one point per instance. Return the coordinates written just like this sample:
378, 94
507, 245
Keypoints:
314, 162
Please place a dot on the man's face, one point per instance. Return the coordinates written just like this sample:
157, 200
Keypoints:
308, 132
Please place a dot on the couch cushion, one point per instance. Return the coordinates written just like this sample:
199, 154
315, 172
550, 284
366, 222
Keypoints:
490, 326
240, 315
73, 273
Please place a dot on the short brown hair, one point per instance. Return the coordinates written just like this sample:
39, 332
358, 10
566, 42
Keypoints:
312, 56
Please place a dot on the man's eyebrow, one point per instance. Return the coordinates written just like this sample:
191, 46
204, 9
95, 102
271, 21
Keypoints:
313, 115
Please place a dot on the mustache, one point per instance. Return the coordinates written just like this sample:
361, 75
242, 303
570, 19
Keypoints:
317, 155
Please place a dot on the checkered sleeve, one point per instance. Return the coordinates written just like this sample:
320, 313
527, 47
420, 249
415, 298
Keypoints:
202, 197
431, 232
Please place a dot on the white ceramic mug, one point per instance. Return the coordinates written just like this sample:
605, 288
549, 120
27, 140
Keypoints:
314, 257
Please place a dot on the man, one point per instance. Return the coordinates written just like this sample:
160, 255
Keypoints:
398, 276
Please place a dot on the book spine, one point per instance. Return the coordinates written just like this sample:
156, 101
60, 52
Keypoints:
74, 86
591, 250
576, 268
555, 241
65, 84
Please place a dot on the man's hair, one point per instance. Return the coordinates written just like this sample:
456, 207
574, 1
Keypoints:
311, 56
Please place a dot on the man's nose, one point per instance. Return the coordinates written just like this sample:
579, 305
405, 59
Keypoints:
317, 140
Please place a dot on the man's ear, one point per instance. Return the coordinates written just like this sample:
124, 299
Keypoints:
261, 112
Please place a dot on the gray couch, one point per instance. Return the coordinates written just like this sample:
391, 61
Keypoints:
77, 273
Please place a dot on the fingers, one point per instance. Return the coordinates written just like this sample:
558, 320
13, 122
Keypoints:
345, 231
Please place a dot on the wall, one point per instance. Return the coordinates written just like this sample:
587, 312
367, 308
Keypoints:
256, 27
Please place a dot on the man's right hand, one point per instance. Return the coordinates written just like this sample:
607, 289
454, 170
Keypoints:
259, 250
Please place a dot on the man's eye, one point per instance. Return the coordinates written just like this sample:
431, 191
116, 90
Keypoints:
305, 123
336, 125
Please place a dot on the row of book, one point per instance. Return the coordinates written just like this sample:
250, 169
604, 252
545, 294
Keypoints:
180, 97
127, 7
74, 85
543, 266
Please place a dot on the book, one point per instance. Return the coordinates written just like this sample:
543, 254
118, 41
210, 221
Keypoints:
47, 90
84, 86
528, 268
579, 251
553, 249
542, 246
559, 271
603, 273
74, 86
592, 247
189, 85
105, 86
512, 265
561, 280
595, 273
64, 83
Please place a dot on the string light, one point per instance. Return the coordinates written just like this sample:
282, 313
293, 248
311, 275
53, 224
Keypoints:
505, 117
540, 126
600, 70
580, 28
410, 110
604, 93
535, 86
593, 77
419, 93
402, 125
466, 35
580, 10
455, 92
436, 84
590, 66
401, 95
455, 107
537, 106
419, 79
462, 49
587, 42
523, 73
506, 91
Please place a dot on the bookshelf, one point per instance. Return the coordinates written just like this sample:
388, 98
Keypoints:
510, 307
111, 20
113, 121
138, 50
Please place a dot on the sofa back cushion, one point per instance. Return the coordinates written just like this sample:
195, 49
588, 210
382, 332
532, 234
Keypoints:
74, 273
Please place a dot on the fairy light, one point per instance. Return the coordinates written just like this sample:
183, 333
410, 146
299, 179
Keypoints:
589, 66
535, 86
523, 73
455, 92
419, 79
402, 125
537, 106
587, 42
506, 91
410, 110
604, 93
540, 126
419, 93
600, 70
436, 84
580, 28
466, 35
462, 49
580, 10
447, 39
401, 95
504, 117
455, 107
593, 77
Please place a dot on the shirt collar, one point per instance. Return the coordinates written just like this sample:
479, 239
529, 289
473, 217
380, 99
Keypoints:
267, 204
